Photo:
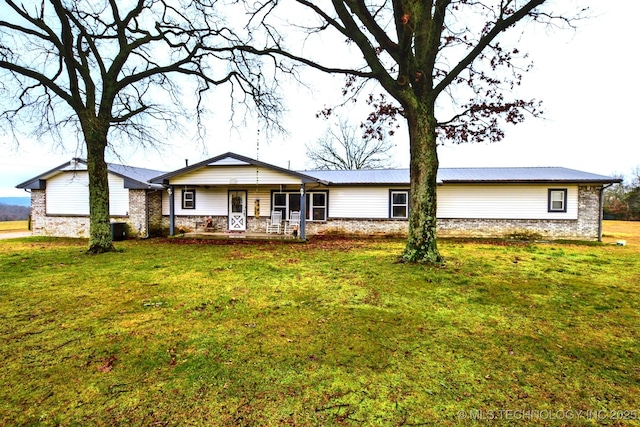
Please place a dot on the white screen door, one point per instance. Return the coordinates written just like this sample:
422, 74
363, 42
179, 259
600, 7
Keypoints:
237, 210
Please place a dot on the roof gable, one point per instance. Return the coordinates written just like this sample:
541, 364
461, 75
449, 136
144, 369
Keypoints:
232, 159
134, 178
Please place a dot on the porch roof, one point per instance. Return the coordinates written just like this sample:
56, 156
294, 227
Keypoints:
232, 159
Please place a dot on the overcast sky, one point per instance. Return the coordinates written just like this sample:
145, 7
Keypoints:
586, 80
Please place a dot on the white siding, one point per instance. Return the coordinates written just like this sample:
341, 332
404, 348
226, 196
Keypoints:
209, 202
68, 194
359, 202
507, 201
265, 202
234, 175
118, 196
464, 201
215, 202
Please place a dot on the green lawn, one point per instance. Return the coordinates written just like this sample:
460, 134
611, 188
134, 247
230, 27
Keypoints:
334, 332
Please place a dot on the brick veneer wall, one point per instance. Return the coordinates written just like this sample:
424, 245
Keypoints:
187, 223
137, 220
156, 222
56, 226
78, 226
357, 226
38, 212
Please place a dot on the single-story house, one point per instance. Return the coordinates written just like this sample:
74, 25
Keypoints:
234, 193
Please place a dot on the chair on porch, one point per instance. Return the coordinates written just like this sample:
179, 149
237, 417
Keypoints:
275, 222
293, 224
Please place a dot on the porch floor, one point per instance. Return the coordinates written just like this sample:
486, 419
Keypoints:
244, 235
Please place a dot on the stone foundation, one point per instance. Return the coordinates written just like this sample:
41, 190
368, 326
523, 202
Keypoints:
520, 229
188, 224
358, 226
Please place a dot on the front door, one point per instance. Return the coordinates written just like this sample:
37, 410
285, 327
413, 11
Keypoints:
237, 210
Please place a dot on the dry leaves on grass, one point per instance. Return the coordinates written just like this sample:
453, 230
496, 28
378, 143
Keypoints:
107, 365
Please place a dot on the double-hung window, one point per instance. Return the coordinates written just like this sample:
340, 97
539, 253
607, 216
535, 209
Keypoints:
317, 206
557, 200
280, 203
399, 204
287, 202
188, 199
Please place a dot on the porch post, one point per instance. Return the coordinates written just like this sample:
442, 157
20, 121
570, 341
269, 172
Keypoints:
303, 212
171, 212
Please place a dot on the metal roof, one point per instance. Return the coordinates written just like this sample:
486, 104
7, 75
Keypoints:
141, 175
525, 174
140, 178
362, 176
135, 178
463, 175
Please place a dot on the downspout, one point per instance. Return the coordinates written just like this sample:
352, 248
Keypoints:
172, 209
303, 212
601, 214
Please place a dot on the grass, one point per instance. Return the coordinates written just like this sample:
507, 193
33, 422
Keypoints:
8, 226
334, 332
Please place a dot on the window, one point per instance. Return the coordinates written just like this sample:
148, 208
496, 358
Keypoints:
280, 203
557, 200
317, 207
316, 204
188, 199
399, 204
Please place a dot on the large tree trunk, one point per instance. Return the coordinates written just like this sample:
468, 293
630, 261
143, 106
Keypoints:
100, 229
421, 243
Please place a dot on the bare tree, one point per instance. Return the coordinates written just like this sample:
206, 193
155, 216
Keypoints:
622, 200
342, 148
430, 56
114, 69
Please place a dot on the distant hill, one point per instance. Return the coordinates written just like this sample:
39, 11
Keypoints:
14, 208
16, 201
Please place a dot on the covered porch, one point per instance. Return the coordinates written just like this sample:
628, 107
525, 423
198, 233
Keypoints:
235, 197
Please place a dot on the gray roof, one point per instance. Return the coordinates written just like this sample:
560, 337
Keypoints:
463, 175
140, 178
134, 178
141, 175
362, 176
